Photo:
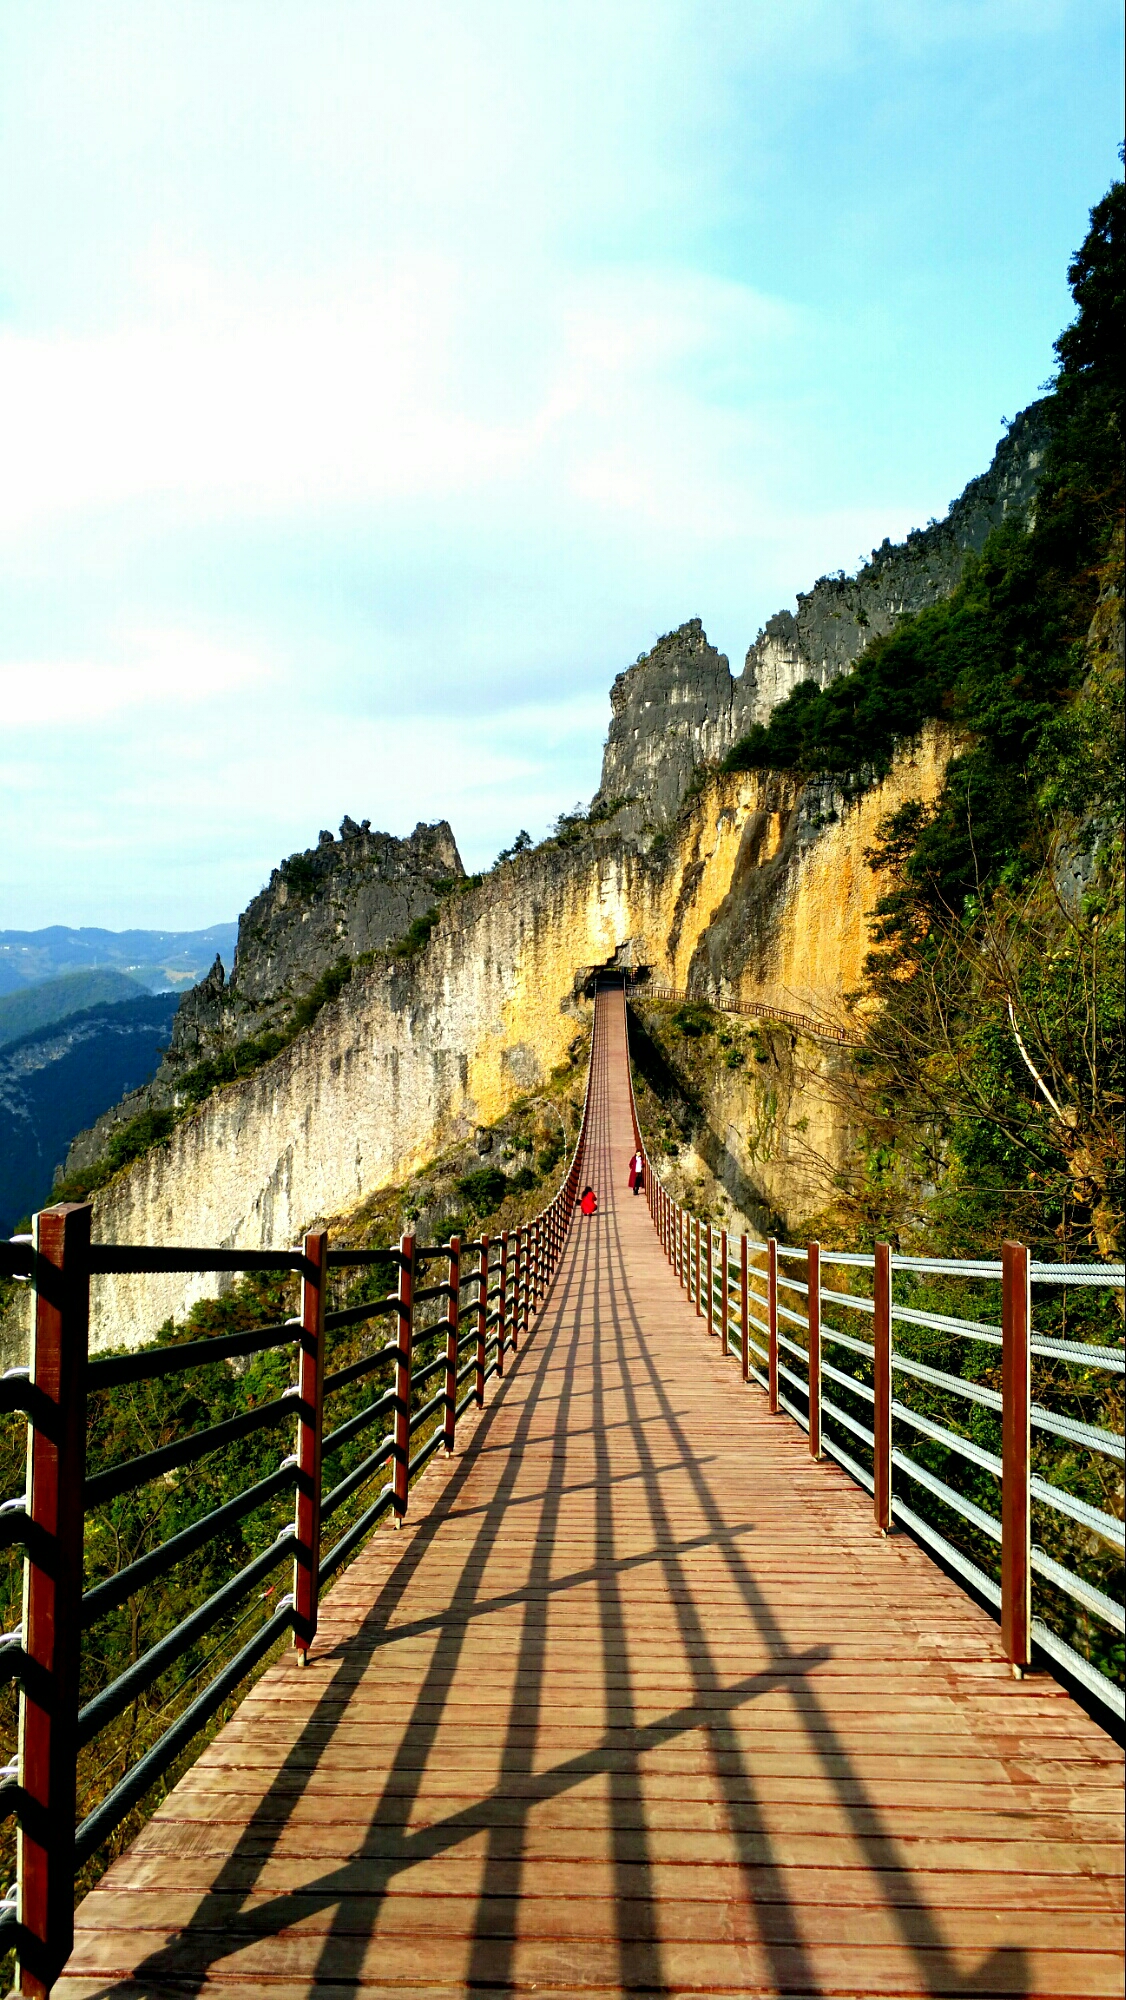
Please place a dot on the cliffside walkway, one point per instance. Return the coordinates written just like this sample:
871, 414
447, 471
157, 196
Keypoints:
636, 1701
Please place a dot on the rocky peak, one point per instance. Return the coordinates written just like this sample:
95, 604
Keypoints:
670, 710
339, 899
678, 705
841, 614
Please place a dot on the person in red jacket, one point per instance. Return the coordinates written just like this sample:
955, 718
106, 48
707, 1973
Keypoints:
637, 1171
588, 1201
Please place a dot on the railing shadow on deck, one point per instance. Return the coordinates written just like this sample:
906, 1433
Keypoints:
222, 1923
765, 1303
355, 1890
454, 1331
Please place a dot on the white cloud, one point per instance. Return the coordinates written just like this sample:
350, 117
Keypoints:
161, 670
375, 381
251, 407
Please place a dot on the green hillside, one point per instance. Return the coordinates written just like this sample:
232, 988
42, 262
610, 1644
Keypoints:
56, 999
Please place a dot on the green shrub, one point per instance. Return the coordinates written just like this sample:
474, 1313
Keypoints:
125, 1145
299, 874
484, 1189
417, 937
693, 1021
520, 845
328, 987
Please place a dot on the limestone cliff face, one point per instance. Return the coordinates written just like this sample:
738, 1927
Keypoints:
761, 892
679, 706
669, 712
341, 899
746, 1120
792, 927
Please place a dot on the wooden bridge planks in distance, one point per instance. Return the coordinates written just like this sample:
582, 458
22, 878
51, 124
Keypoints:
635, 1701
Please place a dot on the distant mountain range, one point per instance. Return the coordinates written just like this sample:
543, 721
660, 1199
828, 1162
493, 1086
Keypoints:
84, 1016
56, 1080
159, 961
33, 1007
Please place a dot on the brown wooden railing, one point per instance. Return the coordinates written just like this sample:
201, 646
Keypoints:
457, 1310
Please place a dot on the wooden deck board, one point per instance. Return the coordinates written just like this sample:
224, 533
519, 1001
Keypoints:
636, 1701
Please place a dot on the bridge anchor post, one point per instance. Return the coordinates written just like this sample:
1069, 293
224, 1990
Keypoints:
1016, 1413
52, 1618
772, 1321
813, 1320
404, 1352
744, 1311
482, 1323
881, 1386
453, 1321
310, 1430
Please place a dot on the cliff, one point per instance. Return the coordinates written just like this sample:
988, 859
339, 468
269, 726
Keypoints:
58, 1076
341, 900
414, 1056
679, 706
736, 886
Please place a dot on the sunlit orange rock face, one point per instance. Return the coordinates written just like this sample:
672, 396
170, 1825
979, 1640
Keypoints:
760, 891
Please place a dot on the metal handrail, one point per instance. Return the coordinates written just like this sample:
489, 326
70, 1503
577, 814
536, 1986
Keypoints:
758, 1009
691, 1248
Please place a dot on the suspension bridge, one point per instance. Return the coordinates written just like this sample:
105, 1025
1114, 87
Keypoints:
658, 1689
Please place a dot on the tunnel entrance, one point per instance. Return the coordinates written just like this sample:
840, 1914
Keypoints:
624, 967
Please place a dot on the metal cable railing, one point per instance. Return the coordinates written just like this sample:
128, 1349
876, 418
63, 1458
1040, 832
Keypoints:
760, 1010
880, 1410
457, 1310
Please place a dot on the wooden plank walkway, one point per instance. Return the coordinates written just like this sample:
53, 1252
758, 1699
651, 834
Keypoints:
636, 1701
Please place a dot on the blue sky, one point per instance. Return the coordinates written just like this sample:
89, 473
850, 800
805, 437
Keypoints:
376, 382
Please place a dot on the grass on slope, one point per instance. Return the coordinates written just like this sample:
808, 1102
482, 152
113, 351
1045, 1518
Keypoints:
57, 999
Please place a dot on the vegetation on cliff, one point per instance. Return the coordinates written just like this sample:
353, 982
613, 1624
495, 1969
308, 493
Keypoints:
138, 1135
995, 1063
992, 1086
987, 1098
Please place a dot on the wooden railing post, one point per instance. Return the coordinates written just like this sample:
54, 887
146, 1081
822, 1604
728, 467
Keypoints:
310, 1430
517, 1286
502, 1301
697, 1267
482, 1328
772, 1321
52, 1598
813, 1302
744, 1311
1016, 1396
404, 1351
723, 1309
709, 1281
881, 1387
453, 1324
